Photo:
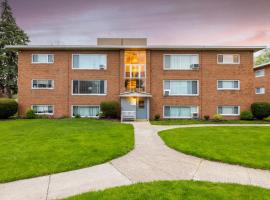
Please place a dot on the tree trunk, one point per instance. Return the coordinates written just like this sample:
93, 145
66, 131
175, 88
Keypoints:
8, 92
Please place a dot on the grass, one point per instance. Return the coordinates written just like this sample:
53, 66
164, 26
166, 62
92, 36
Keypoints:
247, 146
190, 121
30, 148
178, 190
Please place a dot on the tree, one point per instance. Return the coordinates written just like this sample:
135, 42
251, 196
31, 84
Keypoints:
264, 57
10, 34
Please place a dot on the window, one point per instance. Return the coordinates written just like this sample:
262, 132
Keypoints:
135, 71
260, 90
42, 58
42, 84
89, 61
181, 87
43, 109
228, 58
259, 73
89, 87
85, 111
228, 85
229, 110
179, 111
180, 61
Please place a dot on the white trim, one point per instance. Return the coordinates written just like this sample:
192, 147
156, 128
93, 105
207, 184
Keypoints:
229, 63
118, 47
71, 114
260, 75
176, 54
175, 117
42, 88
229, 88
32, 60
105, 89
72, 67
43, 105
260, 88
187, 95
229, 114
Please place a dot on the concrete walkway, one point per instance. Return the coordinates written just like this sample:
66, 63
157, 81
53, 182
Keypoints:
150, 160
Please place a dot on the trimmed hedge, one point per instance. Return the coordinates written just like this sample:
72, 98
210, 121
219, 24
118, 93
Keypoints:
246, 115
260, 110
8, 108
110, 109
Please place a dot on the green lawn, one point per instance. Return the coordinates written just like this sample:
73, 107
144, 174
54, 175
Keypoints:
248, 146
30, 148
190, 121
178, 190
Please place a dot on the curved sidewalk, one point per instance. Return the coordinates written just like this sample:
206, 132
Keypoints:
150, 160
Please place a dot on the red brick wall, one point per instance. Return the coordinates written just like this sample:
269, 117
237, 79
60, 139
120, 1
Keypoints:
62, 74
208, 74
263, 82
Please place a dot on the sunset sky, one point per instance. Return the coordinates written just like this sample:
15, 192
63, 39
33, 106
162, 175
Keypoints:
181, 22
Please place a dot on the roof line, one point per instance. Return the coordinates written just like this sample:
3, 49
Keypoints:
262, 65
111, 47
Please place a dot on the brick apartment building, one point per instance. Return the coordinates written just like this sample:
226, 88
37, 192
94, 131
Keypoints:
262, 82
172, 81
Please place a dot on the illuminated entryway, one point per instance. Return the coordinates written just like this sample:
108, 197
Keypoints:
135, 105
135, 101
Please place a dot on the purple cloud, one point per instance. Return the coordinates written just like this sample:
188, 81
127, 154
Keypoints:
162, 22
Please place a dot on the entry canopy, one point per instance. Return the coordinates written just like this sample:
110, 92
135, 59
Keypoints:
135, 94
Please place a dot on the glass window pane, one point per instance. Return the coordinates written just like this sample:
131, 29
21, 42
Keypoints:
75, 87
75, 61
35, 58
86, 111
88, 61
102, 87
220, 58
50, 58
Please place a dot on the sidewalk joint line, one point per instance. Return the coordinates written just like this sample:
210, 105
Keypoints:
49, 182
199, 165
121, 172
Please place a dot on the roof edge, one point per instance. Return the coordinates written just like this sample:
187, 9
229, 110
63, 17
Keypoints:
262, 65
150, 47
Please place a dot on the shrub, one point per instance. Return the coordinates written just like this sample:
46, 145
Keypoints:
8, 108
246, 115
267, 119
206, 117
110, 109
260, 110
157, 117
217, 117
30, 114
77, 116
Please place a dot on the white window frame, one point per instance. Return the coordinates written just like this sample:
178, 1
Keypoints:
78, 54
187, 95
71, 114
43, 105
260, 88
105, 89
43, 62
260, 75
42, 88
233, 54
176, 117
177, 54
238, 114
229, 88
